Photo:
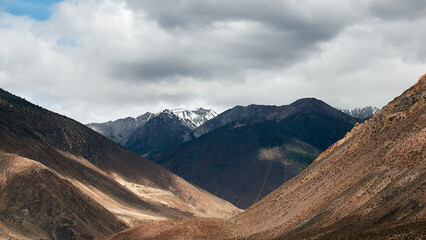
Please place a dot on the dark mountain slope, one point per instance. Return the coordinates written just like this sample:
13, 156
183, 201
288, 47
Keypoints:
253, 114
120, 129
161, 131
122, 182
258, 150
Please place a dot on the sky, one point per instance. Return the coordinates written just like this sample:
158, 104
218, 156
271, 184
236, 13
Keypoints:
100, 60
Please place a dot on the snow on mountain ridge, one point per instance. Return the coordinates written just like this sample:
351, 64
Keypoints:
193, 118
120, 129
362, 113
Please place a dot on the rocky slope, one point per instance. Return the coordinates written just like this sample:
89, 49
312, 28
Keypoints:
60, 179
186, 229
371, 184
250, 151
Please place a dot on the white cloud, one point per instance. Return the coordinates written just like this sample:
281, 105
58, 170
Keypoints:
101, 60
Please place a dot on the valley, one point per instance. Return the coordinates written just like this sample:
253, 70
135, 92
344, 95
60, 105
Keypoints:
212, 120
244, 153
61, 180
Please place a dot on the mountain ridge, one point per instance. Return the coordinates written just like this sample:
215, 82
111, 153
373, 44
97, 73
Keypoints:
129, 131
251, 114
363, 114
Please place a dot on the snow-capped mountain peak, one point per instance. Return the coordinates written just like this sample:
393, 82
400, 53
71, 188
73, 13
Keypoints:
362, 113
120, 130
192, 118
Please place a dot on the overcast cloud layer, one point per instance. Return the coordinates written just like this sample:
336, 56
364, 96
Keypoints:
100, 60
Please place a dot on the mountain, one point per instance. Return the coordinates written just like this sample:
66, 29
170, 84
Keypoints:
362, 113
253, 114
194, 118
371, 184
153, 131
166, 129
247, 152
163, 130
59, 179
120, 129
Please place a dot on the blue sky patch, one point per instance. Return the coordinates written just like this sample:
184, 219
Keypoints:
39, 10
66, 42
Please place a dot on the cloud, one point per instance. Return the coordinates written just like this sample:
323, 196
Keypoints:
101, 60
394, 10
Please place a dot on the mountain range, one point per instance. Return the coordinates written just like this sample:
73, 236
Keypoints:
363, 114
170, 138
150, 131
245, 153
371, 184
59, 179
119, 130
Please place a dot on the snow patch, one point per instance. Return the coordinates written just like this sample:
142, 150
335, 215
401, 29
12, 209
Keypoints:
192, 118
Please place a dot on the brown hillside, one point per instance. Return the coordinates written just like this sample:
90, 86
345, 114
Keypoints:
186, 229
39, 204
130, 187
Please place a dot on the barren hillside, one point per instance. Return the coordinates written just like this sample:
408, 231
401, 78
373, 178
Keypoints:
75, 162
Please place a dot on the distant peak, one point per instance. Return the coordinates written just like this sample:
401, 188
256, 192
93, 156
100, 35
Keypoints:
191, 118
201, 109
307, 100
363, 113
178, 110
